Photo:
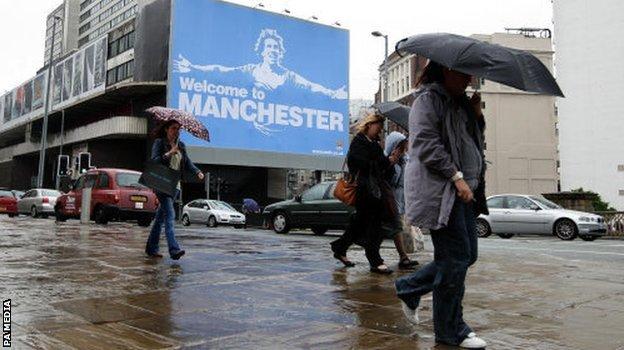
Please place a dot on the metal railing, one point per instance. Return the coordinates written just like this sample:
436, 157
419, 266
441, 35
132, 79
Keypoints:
614, 221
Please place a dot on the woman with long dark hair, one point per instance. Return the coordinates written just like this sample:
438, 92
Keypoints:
445, 192
169, 151
368, 164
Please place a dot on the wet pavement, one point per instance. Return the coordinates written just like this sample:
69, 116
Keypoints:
78, 286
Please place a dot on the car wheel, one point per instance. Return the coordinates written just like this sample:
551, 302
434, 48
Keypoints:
212, 221
33, 212
100, 216
483, 228
566, 229
588, 238
11, 215
280, 223
505, 235
319, 231
144, 222
185, 220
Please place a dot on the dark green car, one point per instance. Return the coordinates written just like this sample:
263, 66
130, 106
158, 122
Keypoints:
316, 209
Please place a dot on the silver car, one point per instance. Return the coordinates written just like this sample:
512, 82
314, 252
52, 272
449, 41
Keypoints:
212, 213
512, 214
38, 202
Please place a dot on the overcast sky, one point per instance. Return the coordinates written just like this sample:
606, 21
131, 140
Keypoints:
22, 28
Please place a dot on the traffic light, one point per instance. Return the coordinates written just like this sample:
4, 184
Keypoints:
84, 162
63, 165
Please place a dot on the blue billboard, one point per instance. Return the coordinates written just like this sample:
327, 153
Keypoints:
259, 80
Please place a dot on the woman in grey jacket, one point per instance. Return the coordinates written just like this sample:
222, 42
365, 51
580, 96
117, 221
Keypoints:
445, 192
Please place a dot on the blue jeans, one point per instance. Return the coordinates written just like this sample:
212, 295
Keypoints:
165, 214
455, 249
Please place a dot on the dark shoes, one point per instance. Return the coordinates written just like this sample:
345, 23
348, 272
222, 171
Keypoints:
407, 264
177, 255
343, 259
153, 255
381, 269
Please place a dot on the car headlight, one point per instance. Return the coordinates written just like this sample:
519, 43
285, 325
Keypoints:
584, 219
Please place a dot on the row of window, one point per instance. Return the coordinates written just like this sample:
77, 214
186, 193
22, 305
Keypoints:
104, 15
105, 27
85, 3
120, 45
119, 73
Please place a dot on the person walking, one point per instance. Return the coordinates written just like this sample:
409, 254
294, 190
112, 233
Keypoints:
445, 192
396, 144
370, 167
168, 150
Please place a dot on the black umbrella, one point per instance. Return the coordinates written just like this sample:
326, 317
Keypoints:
512, 67
394, 111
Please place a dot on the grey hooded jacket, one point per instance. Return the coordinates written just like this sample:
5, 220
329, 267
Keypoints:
434, 157
397, 180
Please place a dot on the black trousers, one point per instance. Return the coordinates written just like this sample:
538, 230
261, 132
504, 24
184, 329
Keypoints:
364, 229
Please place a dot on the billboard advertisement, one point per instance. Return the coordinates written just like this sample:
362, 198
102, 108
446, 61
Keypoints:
275, 84
80, 74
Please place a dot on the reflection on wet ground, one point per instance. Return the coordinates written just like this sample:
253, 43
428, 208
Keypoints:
90, 287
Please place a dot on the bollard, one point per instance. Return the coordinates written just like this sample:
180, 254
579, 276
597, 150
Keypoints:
85, 206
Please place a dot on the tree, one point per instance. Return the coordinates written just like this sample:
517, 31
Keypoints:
597, 202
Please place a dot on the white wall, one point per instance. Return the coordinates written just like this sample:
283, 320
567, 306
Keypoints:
589, 46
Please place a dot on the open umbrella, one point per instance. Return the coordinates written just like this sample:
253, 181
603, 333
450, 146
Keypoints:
394, 111
512, 67
251, 205
187, 121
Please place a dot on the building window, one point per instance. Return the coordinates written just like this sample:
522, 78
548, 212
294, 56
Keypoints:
84, 28
621, 167
482, 81
85, 15
119, 73
621, 192
482, 104
85, 3
121, 45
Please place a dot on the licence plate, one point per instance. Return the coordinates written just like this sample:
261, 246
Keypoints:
138, 198
138, 205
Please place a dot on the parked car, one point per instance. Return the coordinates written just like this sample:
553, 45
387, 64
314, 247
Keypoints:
116, 196
316, 209
8, 202
212, 213
512, 214
38, 202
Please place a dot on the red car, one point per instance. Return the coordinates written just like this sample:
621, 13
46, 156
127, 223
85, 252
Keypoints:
8, 203
116, 196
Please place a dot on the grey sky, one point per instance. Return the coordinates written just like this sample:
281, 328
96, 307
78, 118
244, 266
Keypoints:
22, 28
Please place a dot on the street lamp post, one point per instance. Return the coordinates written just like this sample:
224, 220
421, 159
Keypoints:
44, 133
385, 74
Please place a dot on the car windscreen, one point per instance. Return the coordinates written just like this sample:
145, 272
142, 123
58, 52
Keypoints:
545, 202
4, 193
221, 206
50, 193
128, 180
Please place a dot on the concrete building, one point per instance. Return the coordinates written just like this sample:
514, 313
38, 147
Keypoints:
521, 140
590, 73
109, 120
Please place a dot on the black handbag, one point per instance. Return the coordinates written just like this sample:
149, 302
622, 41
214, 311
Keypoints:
160, 178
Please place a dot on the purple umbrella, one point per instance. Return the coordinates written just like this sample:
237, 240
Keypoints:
251, 205
187, 121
